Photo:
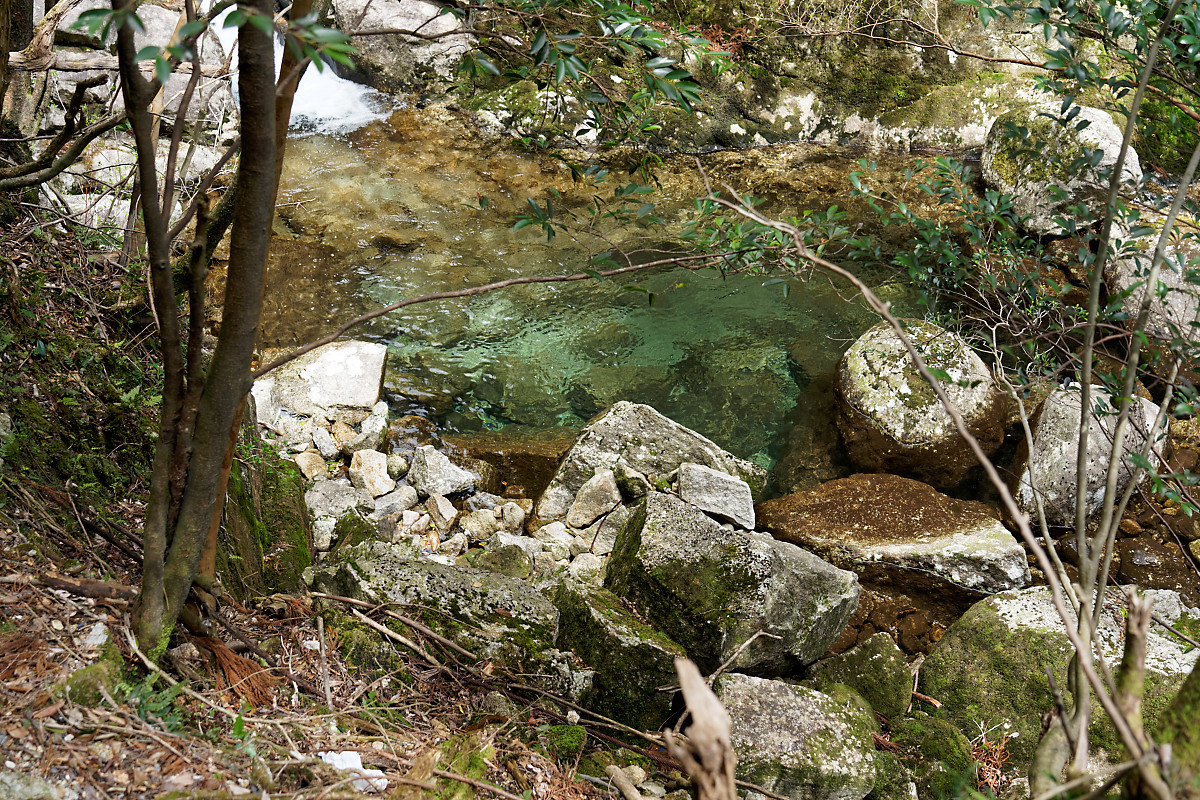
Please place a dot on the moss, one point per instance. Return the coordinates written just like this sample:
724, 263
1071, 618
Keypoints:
509, 560
88, 685
1044, 155
565, 742
1179, 729
875, 669
464, 755
892, 778
939, 755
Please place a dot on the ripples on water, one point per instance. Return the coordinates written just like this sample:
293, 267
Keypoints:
392, 211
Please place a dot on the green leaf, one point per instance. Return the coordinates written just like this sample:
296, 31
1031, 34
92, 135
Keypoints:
148, 53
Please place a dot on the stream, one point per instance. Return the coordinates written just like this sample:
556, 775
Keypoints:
388, 206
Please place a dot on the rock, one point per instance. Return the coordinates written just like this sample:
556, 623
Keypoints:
15, 786
1176, 301
899, 531
876, 669
509, 560
397, 467
311, 465
1179, 730
579, 545
1024, 167
555, 532
602, 536
512, 517
332, 380
368, 470
322, 532
527, 543
442, 512
893, 422
586, 568
943, 755
676, 564
479, 525
717, 493
630, 658
647, 442
433, 473
371, 432
799, 742
633, 484
598, 495
1049, 466
402, 498
342, 434
325, 444
394, 62
335, 498
295, 432
495, 616
990, 667
266, 400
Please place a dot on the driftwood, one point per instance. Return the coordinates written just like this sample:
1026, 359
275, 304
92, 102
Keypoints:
707, 754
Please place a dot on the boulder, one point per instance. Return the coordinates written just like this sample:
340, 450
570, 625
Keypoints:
395, 62
1049, 464
402, 498
711, 589
602, 535
1050, 156
442, 512
432, 473
647, 443
630, 659
495, 616
598, 495
337, 381
717, 493
336, 498
892, 421
1176, 302
527, 543
311, 464
323, 440
509, 560
799, 742
479, 525
990, 667
896, 530
876, 669
368, 470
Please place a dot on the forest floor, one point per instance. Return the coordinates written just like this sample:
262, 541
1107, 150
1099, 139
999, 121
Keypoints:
83, 716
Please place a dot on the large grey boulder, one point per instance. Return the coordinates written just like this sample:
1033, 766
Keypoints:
1049, 470
598, 496
339, 381
433, 473
395, 61
495, 616
1053, 156
990, 667
630, 659
711, 589
798, 742
337, 498
892, 421
876, 669
892, 529
647, 443
1175, 302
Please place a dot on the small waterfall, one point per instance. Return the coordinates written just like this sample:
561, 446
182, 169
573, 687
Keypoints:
324, 103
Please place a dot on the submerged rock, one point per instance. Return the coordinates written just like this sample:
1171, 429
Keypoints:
711, 589
899, 530
990, 667
1049, 468
798, 742
891, 419
630, 659
1052, 157
647, 442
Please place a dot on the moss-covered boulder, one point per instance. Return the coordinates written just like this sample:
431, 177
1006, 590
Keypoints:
509, 559
1048, 162
876, 669
990, 667
88, 685
711, 589
892, 421
937, 755
799, 742
630, 659
266, 537
1179, 729
494, 616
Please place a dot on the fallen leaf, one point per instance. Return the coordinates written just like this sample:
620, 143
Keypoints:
48, 711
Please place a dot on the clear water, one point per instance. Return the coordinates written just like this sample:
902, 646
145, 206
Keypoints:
392, 211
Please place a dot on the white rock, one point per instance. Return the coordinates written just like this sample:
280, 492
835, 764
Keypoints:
324, 442
322, 532
397, 466
368, 470
335, 498
717, 493
441, 511
401, 499
512, 516
332, 379
598, 496
266, 400
432, 473
586, 567
311, 465
530, 545
96, 637
371, 434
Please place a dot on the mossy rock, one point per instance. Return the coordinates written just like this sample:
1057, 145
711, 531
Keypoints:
630, 659
938, 755
565, 742
876, 669
1179, 729
267, 541
467, 756
508, 560
88, 685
